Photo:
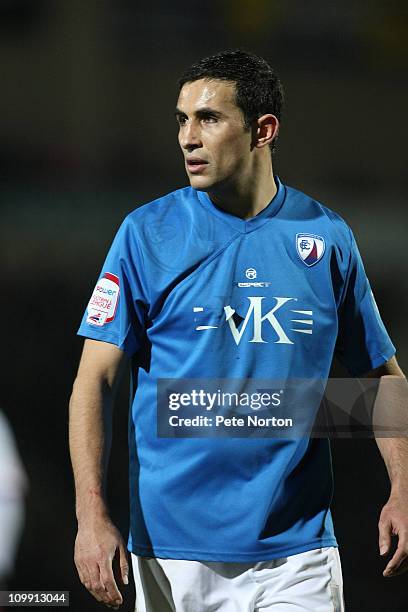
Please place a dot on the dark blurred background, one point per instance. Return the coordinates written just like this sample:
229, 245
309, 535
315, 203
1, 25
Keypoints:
87, 134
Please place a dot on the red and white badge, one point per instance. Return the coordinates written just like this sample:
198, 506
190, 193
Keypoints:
310, 248
104, 300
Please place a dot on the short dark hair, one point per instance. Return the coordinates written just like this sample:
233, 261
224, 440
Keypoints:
258, 90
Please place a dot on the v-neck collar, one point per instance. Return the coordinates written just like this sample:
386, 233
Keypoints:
247, 225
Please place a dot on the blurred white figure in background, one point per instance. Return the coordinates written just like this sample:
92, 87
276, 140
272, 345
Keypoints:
13, 485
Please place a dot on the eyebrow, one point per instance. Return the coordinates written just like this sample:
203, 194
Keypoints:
205, 110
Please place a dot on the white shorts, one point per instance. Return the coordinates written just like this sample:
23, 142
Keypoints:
309, 581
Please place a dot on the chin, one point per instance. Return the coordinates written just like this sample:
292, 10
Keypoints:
201, 183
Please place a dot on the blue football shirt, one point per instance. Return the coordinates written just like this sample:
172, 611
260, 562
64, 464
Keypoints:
190, 291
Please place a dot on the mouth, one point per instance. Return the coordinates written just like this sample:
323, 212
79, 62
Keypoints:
195, 166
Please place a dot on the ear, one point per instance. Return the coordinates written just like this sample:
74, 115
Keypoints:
266, 130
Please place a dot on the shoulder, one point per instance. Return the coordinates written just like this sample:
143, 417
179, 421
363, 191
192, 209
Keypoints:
168, 205
160, 220
302, 207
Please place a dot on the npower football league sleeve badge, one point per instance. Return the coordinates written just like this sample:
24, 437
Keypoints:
104, 300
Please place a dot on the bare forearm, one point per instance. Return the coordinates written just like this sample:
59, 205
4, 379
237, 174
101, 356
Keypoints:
90, 417
391, 409
395, 454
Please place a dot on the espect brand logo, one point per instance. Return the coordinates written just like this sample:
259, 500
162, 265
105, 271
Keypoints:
251, 274
259, 319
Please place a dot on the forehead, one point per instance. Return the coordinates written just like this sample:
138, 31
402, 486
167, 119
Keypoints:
219, 95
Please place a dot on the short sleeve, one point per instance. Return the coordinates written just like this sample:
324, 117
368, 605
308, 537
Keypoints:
116, 311
362, 342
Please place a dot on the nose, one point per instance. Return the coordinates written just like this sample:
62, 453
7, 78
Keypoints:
189, 136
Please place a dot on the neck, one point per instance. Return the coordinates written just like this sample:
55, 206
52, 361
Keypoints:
250, 194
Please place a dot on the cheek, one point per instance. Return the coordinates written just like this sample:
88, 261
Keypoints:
231, 154
228, 150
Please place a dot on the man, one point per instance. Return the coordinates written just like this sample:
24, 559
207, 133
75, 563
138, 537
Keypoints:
236, 276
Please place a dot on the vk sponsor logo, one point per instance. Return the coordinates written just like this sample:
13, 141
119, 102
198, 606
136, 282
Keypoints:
257, 317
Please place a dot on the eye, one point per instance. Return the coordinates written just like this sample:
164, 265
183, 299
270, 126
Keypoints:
210, 119
180, 120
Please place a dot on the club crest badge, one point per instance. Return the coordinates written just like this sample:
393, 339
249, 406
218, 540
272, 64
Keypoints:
310, 248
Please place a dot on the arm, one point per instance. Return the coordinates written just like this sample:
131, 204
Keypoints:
394, 515
90, 421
